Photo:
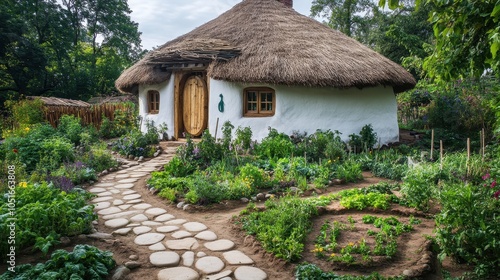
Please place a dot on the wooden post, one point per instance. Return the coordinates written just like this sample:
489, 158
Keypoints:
483, 142
441, 153
468, 157
216, 128
432, 143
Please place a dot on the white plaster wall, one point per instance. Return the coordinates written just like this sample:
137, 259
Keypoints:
308, 109
166, 112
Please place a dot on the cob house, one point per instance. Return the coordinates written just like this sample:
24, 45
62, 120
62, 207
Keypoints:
261, 64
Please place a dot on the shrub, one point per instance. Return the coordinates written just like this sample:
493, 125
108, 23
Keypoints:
244, 138
365, 141
54, 152
349, 171
468, 227
169, 194
70, 128
209, 192
99, 158
253, 175
275, 145
179, 168
419, 185
321, 144
77, 172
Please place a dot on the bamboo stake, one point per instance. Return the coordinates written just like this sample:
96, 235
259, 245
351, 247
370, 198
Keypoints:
432, 143
216, 129
441, 154
468, 157
483, 142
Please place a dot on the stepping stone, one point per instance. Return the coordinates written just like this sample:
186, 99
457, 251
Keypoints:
104, 194
220, 276
118, 202
142, 229
194, 226
209, 265
135, 201
139, 218
116, 223
122, 231
100, 235
103, 185
134, 225
120, 215
102, 205
164, 218
101, 199
114, 191
182, 244
181, 234
122, 172
206, 235
188, 258
237, 257
138, 175
176, 222
129, 192
97, 190
149, 238
142, 206
122, 176
249, 273
128, 181
176, 273
157, 247
201, 254
151, 224
125, 206
155, 211
167, 229
132, 196
109, 211
164, 259
124, 186
220, 245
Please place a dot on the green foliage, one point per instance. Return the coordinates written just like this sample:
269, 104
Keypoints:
419, 185
77, 172
70, 128
26, 112
65, 49
254, 175
275, 145
136, 143
243, 138
98, 158
54, 152
468, 227
179, 168
306, 271
41, 211
349, 171
320, 145
365, 141
85, 262
168, 193
283, 227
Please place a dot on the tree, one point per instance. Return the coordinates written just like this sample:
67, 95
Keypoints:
58, 49
351, 17
467, 36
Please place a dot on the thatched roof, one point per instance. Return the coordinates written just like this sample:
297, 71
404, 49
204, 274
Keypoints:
113, 99
56, 101
272, 43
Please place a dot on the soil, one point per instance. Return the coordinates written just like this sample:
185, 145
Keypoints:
411, 246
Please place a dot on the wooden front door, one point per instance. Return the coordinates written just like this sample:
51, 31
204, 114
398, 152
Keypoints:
195, 105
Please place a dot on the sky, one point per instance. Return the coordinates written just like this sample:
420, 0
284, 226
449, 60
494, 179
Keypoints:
163, 20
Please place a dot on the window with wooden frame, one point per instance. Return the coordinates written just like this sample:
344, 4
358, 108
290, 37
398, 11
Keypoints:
153, 102
259, 102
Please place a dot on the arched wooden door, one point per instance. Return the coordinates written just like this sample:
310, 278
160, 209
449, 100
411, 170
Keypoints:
195, 105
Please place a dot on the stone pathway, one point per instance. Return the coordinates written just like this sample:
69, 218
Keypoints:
182, 248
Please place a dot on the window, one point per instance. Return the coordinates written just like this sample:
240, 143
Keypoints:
153, 102
259, 102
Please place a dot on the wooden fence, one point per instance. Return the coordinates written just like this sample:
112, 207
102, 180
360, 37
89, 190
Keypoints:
92, 115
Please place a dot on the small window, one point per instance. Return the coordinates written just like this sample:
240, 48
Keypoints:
259, 102
153, 102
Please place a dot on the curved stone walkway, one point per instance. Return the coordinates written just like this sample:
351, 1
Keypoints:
177, 245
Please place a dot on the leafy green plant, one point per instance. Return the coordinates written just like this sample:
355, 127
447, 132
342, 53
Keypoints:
283, 227
468, 227
85, 262
349, 171
70, 127
43, 210
306, 271
275, 145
